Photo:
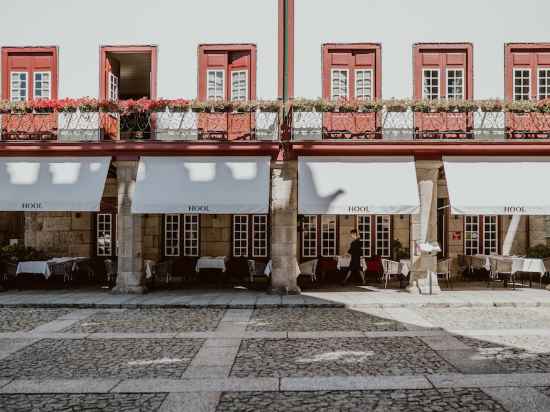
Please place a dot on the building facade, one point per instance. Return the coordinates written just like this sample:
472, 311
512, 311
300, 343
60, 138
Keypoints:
249, 129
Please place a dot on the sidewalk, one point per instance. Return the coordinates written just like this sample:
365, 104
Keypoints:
242, 298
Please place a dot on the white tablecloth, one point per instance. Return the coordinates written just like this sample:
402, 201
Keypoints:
269, 268
44, 267
343, 262
519, 264
208, 262
405, 267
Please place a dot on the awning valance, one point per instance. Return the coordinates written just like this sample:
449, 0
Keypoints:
498, 185
204, 185
52, 184
354, 185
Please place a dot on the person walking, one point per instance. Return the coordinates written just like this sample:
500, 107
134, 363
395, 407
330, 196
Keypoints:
355, 252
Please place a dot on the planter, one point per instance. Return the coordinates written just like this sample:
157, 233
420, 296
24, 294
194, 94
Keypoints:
307, 125
79, 126
398, 125
29, 126
489, 125
350, 125
267, 126
240, 126
528, 125
443, 125
176, 126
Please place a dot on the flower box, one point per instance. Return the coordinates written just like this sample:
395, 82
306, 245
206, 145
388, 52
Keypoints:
307, 125
29, 126
176, 125
531, 125
443, 124
350, 125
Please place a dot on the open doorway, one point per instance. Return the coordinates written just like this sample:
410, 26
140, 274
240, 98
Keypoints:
129, 72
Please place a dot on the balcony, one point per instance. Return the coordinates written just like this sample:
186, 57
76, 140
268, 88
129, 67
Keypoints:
419, 120
87, 120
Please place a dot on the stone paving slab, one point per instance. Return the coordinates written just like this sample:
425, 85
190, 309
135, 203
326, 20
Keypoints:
27, 319
97, 358
336, 357
520, 399
60, 386
495, 380
197, 385
351, 383
191, 402
428, 400
82, 402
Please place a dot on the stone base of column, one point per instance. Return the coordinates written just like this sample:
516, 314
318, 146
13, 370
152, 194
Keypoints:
547, 287
129, 290
428, 285
284, 291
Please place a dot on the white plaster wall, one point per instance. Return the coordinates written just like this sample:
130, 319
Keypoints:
397, 24
175, 26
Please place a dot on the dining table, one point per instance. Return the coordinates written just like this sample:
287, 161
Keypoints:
343, 262
62, 265
212, 262
518, 264
269, 268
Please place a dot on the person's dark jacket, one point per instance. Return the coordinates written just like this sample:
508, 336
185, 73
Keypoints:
355, 251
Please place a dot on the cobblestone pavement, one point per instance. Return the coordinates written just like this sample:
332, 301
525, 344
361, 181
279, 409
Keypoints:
81, 402
319, 319
274, 359
150, 321
26, 319
397, 400
336, 357
481, 318
91, 358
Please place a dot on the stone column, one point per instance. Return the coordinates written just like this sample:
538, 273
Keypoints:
424, 229
130, 277
284, 227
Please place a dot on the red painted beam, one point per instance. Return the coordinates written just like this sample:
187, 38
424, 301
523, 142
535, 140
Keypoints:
132, 150
423, 150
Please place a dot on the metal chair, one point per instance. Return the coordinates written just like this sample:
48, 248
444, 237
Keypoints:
389, 268
163, 270
309, 269
256, 270
110, 272
444, 271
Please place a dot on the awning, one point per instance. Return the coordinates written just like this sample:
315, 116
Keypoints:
357, 185
205, 185
498, 185
52, 184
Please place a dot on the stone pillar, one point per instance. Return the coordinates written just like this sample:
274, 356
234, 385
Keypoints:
424, 229
130, 277
284, 227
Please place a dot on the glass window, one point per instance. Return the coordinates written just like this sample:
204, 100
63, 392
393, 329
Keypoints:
544, 83
471, 235
522, 84
19, 86
259, 236
240, 235
215, 85
104, 233
490, 235
113, 87
191, 229
239, 85
339, 84
172, 235
42, 85
455, 84
430, 84
383, 236
328, 236
363, 84
364, 231
309, 236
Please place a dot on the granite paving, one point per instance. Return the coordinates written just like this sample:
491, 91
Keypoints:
150, 321
337, 357
99, 358
426, 400
26, 319
81, 402
487, 318
319, 319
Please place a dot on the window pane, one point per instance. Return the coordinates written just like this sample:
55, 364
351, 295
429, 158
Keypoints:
191, 229
240, 235
18, 86
215, 84
309, 236
104, 231
471, 235
259, 236
239, 85
328, 236
430, 84
339, 84
363, 228
544, 83
522, 79
172, 235
383, 232
363, 84
455, 84
490, 235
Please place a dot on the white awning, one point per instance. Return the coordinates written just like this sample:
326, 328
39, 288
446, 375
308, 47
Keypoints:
205, 185
357, 185
498, 185
52, 184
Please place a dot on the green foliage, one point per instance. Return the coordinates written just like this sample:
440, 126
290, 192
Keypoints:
538, 251
18, 253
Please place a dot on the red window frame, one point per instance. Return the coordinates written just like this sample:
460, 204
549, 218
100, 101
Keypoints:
29, 52
532, 56
224, 54
104, 65
347, 56
440, 56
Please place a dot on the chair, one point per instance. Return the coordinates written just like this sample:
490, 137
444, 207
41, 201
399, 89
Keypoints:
504, 267
110, 272
444, 271
163, 271
184, 267
374, 264
256, 270
389, 268
546, 262
309, 269
463, 264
